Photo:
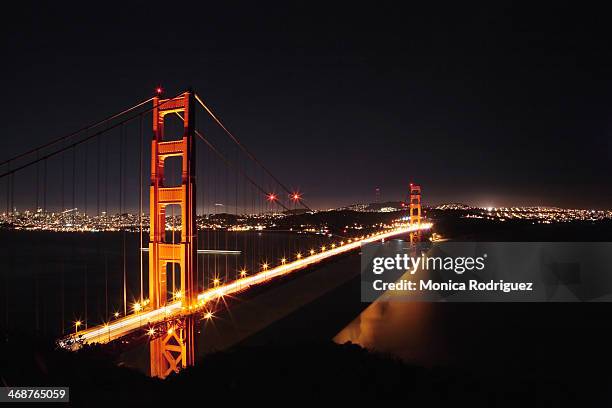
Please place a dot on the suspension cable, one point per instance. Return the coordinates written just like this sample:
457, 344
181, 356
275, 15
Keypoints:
56, 152
140, 180
230, 164
76, 132
245, 150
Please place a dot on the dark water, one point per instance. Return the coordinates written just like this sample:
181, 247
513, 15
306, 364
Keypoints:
48, 280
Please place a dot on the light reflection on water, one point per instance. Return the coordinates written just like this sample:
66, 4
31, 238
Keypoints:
399, 328
403, 329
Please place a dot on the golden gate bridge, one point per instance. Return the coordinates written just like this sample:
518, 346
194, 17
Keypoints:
190, 178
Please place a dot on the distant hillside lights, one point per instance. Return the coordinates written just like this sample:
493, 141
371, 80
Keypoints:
540, 215
389, 209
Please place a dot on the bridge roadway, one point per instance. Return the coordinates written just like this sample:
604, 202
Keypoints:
130, 323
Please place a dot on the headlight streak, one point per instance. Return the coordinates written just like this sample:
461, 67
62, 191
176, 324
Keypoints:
127, 324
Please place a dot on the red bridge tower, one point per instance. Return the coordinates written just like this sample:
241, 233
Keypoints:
161, 252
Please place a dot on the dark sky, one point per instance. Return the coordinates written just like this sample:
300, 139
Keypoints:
496, 105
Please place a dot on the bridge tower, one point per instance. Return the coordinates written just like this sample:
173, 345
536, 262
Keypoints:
161, 252
173, 350
415, 204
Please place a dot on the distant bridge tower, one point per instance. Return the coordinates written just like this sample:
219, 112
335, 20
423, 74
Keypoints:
415, 204
161, 252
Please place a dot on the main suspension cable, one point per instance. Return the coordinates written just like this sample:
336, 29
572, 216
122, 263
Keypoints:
230, 164
74, 144
76, 132
245, 150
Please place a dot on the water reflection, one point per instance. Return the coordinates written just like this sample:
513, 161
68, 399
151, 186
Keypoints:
403, 329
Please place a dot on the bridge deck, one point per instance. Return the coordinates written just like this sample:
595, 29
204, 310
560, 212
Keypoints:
133, 322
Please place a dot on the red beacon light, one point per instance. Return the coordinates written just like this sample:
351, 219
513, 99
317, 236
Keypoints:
295, 196
271, 197
159, 90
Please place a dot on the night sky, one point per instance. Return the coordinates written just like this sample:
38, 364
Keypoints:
496, 105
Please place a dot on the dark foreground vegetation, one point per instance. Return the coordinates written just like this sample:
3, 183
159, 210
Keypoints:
292, 372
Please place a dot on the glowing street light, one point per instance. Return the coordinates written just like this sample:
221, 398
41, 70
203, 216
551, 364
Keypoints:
283, 261
298, 255
137, 307
116, 315
264, 266
216, 282
312, 252
178, 294
243, 273
208, 315
76, 326
151, 332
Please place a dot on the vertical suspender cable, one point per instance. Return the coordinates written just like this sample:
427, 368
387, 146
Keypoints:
98, 237
122, 138
45, 186
140, 180
8, 179
37, 181
63, 208
85, 185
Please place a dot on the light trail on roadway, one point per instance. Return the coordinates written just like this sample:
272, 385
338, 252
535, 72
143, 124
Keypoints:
128, 324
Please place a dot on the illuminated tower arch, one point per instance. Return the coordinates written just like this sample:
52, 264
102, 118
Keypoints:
161, 252
174, 349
